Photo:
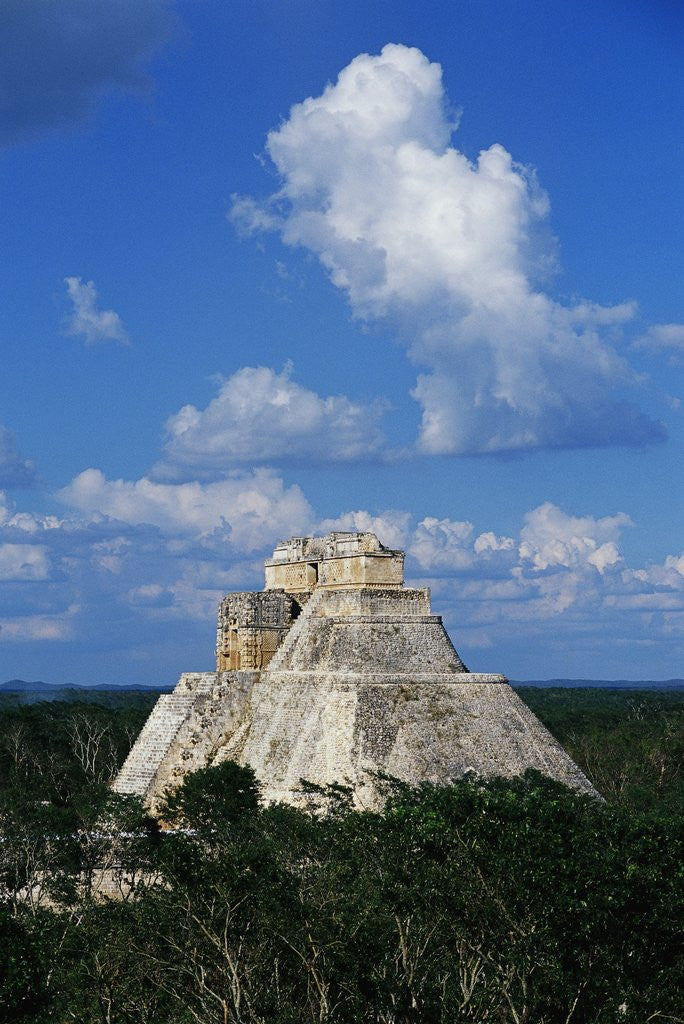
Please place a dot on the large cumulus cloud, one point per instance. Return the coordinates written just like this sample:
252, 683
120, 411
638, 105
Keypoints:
452, 252
560, 592
248, 507
260, 415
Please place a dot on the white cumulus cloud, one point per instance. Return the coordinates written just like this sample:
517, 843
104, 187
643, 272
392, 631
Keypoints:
27, 628
23, 562
552, 538
249, 507
451, 252
451, 546
26, 522
262, 416
390, 527
665, 338
150, 595
442, 544
668, 576
95, 325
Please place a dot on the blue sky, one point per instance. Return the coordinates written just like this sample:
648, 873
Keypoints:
285, 267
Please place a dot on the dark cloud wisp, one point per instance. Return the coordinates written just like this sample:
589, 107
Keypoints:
15, 470
57, 58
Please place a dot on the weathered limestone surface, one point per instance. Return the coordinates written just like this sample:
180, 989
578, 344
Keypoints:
339, 560
336, 728
365, 682
251, 627
157, 735
185, 731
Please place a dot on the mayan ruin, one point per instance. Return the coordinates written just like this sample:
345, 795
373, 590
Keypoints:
336, 673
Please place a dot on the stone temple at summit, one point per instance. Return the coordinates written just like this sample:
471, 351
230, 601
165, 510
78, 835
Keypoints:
338, 673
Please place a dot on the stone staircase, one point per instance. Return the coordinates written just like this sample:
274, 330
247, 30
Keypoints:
279, 659
157, 735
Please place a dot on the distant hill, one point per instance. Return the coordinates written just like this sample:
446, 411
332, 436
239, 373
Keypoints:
56, 691
21, 686
606, 684
52, 689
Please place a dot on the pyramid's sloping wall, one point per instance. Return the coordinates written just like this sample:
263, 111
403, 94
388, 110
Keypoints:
140, 769
366, 682
184, 731
337, 727
416, 644
389, 631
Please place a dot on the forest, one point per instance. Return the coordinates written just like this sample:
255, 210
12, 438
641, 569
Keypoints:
498, 901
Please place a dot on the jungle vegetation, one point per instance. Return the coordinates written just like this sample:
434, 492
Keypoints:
501, 902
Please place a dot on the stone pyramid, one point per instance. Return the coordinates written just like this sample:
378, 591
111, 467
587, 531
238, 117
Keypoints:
337, 673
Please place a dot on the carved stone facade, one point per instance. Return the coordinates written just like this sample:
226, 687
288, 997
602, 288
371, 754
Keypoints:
252, 624
337, 673
251, 627
338, 560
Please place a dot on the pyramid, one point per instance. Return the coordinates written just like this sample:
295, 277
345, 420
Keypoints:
336, 673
